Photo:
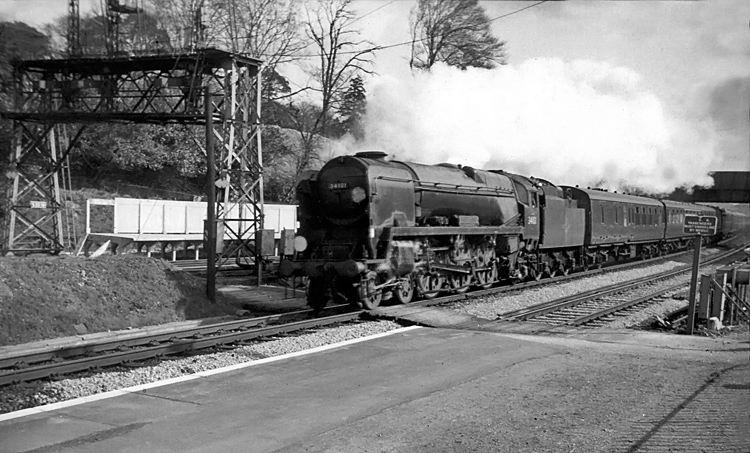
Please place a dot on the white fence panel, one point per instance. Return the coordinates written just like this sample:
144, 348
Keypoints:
127, 216
175, 217
152, 217
196, 215
140, 216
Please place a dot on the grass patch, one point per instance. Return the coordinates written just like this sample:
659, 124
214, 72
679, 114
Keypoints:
44, 297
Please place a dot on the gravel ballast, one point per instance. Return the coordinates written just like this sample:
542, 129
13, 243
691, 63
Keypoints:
492, 306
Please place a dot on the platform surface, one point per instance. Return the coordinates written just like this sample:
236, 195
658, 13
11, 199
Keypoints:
418, 390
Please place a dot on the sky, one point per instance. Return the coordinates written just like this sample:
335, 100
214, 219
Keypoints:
610, 93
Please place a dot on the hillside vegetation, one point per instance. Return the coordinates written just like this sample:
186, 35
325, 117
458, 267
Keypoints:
43, 297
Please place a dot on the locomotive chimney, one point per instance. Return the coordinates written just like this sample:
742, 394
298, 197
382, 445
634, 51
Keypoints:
372, 154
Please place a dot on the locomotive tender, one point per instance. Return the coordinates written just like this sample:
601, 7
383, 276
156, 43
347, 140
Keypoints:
370, 227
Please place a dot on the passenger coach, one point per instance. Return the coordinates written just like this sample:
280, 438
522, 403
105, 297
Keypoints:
620, 225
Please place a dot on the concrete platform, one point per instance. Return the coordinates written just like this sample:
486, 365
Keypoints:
420, 390
267, 407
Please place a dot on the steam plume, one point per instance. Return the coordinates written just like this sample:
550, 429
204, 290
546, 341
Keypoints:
569, 122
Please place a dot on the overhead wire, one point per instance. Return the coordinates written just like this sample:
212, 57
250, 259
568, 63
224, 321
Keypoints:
373, 11
518, 10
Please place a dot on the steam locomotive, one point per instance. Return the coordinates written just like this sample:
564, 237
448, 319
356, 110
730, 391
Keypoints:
370, 228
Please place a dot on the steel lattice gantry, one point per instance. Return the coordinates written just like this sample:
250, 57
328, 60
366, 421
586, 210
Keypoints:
160, 89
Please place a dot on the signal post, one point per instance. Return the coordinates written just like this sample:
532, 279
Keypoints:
699, 226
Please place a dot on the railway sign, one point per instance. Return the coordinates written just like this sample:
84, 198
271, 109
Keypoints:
699, 224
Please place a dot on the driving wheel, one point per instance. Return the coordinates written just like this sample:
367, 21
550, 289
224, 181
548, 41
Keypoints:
404, 291
429, 285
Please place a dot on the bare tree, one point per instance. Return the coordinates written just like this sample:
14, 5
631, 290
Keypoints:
264, 29
341, 54
456, 32
186, 22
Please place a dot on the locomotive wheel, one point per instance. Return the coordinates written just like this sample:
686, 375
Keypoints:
485, 279
460, 282
534, 274
369, 295
564, 270
429, 285
344, 291
550, 271
404, 291
523, 273
316, 294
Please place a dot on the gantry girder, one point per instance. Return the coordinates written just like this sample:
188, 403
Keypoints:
158, 89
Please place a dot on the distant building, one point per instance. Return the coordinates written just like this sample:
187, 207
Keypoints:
729, 187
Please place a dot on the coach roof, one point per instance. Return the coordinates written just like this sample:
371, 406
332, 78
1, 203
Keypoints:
602, 195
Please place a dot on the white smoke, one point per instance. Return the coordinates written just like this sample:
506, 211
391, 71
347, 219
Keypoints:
578, 122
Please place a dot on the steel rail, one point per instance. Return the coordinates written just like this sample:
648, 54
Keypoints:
624, 305
523, 314
138, 339
170, 348
577, 299
23, 359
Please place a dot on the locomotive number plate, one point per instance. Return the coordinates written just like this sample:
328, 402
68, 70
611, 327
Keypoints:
338, 185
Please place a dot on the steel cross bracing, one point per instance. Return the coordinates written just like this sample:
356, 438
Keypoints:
157, 89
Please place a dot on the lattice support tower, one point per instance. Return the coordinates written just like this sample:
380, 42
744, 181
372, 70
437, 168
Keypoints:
162, 89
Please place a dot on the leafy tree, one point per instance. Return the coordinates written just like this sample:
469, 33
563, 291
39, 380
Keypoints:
279, 163
274, 87
109, 151
17, 41
353, 106
456, 32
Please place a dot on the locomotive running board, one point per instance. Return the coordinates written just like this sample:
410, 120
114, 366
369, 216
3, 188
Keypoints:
440, 231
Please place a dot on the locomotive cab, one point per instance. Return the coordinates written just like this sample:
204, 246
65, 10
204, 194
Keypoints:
529, 202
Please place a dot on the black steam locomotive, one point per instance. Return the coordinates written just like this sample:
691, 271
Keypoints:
370, 227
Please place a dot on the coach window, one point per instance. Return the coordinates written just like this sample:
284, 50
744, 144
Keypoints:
602, 206
617, 221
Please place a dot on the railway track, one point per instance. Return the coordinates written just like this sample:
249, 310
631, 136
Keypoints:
118, 350
96, 355
596, 307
